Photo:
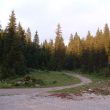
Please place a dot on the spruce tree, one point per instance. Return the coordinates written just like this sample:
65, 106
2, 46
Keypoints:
1, 45
59, 49
13, 58
51, 64
69, 54
22, 37
70, 44
36, 39
36, 51
106, 36
28, 35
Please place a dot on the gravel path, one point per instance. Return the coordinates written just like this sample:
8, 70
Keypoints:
30, 99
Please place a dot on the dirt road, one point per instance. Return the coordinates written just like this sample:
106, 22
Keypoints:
30, 99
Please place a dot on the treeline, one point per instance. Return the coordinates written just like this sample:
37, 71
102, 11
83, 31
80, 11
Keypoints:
18, 52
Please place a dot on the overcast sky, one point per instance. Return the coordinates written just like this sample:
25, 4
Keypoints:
44, 15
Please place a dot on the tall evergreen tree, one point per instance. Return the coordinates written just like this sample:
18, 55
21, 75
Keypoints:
70, 44
74, 49
28, 35
1, 45
36, 52
22, 37
36, 39
13, 59
69, 54
59, 48
77, 44
106, 37
51, 48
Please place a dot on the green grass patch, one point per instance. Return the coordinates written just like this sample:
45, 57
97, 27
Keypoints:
38, 78
5, 85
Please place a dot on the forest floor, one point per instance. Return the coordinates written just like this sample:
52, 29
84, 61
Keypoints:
41, 99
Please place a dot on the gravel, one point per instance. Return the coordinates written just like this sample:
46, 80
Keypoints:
33, 102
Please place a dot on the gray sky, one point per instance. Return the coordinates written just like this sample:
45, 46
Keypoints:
44, 15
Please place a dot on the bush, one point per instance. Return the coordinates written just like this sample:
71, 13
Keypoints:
31, 82
27, 78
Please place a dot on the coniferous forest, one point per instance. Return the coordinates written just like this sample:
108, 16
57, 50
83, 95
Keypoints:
18, 52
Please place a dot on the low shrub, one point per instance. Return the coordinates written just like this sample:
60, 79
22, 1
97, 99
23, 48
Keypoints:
27, 78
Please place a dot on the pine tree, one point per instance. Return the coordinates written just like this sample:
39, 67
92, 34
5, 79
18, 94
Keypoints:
106, 37
74, 50
22, 37
36, 39
13, 58
44, 55
36, 52
29, 49
28, 35
12, 23
51, 52
77, 44
88, 52
70, 45
59, 48
1, 45
21, 33
69, 54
